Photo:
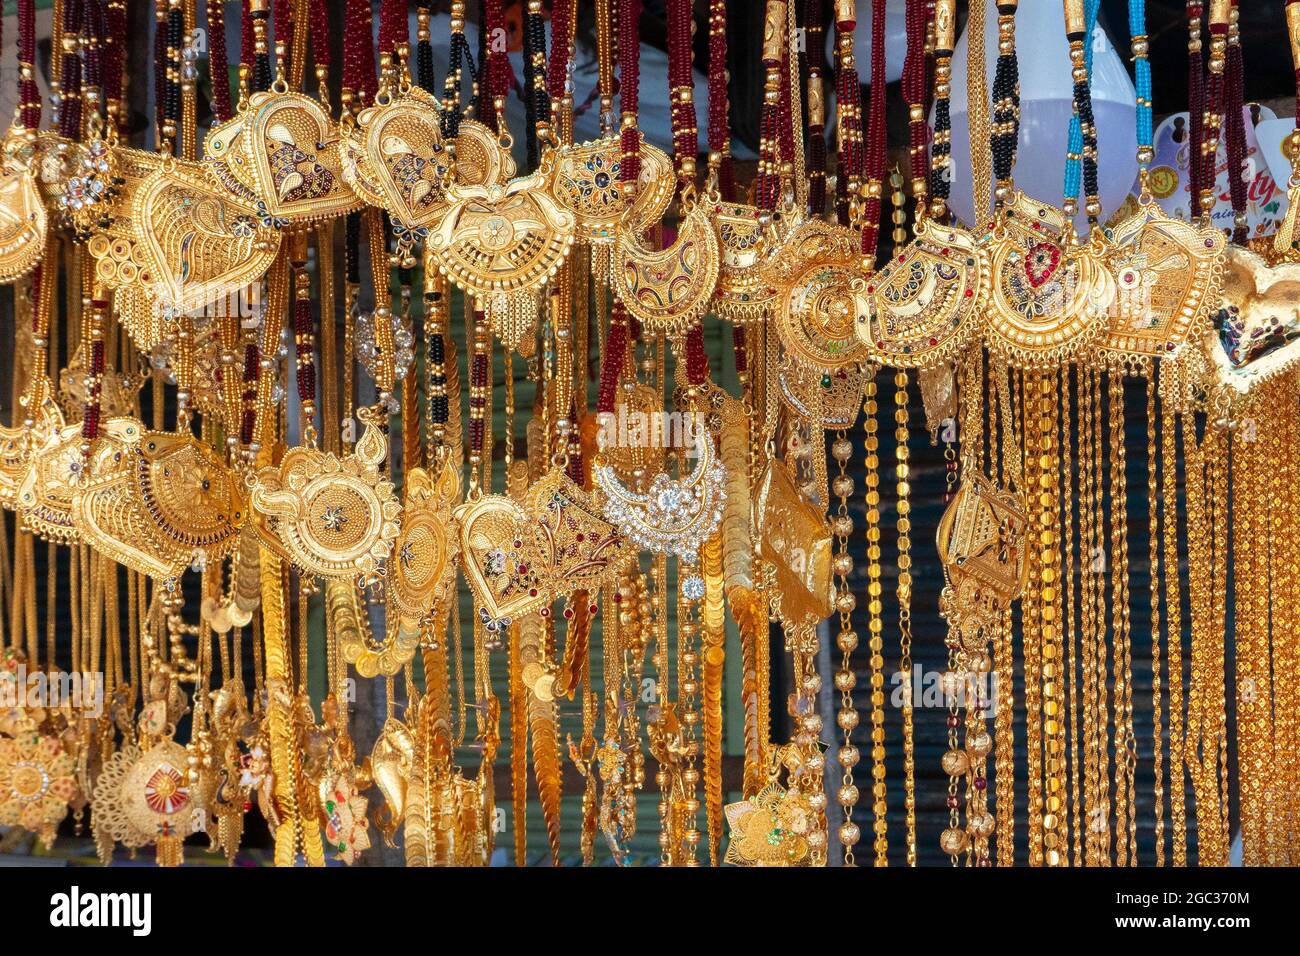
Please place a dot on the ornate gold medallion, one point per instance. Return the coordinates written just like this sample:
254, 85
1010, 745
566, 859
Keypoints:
773, 827
586, 182
819, 314
289, 142
422, 578
144, 798
502, 238
1167, 276
669, 289
922, 305
1048, 301
331, 517
37, 781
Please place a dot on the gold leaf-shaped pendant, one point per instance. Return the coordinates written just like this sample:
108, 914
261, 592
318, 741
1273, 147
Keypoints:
1168, 274
198, 243
668, 290
290, 143
794, 541
923, 305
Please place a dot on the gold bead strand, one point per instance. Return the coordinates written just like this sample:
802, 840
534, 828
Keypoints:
847, 641
903, 488
871, 444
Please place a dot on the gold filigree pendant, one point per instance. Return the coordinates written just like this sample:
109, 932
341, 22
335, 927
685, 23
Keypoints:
330, 516
1048, 301
922, 305
1168, 274
669, 289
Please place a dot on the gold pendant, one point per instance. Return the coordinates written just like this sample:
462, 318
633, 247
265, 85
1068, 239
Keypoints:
1168, 274
404, 156
793, 539
23, 224
828, 399
981, 541
157, 501
586, 182
673, 516
331, 517
1048, 302
818, 270
289, 142
923, 304
773, 826
745, 293
668, 290
422, 578
196, 244
391, 760
44, 497
19, 443
146, 798
37, 780
508, 237
1255, 336
521, 557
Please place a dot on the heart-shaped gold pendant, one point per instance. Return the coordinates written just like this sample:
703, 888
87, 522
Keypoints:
519, 558
291, 145
405, 157
198, 243
1255, 336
